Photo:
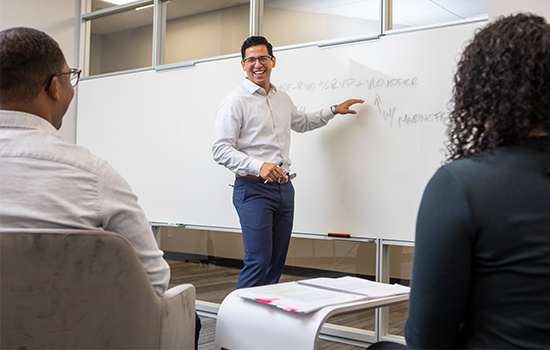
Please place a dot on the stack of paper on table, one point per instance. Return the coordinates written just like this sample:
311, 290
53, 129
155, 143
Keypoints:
313, 294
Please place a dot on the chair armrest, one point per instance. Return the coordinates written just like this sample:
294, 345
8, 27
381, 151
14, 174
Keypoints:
177, 324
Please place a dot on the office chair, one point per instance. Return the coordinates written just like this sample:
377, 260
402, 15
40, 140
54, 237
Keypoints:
85, 289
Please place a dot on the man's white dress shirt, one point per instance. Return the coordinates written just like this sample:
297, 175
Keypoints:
253, 127
48, 182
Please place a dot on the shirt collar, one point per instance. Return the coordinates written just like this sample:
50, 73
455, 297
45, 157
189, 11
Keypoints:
22, 120
253, 87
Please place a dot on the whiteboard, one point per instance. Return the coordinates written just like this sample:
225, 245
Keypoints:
362, 174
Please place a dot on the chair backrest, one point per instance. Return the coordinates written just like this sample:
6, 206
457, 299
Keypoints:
74, 289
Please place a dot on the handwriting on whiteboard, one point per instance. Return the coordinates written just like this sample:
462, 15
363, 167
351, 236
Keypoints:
348, 83
388, 112
409, 119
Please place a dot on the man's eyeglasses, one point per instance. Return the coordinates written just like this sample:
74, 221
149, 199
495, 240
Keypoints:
252, 60
74, 77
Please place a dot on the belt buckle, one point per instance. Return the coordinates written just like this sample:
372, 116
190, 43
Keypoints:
283, 180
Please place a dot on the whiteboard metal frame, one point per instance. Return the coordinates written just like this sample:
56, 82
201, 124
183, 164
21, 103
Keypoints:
156, 224
108, 89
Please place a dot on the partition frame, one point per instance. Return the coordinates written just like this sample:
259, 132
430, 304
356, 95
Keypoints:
383, 275
159, 35
255, 27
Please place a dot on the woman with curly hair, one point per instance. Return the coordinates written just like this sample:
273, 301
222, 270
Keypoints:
481, 269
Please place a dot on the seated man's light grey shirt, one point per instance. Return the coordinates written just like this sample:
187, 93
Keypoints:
253, 127
48, 182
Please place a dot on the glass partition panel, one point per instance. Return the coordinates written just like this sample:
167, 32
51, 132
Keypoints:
289, 22
222, 252
121, 41
414, 13
196, 29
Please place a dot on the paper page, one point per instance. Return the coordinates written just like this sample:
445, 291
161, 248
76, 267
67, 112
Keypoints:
357, 285
298, 298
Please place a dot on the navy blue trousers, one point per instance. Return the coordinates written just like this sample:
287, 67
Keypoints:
266, 213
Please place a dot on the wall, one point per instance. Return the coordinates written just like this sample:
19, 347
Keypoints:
499, 8
61, 20
123, 50
223, 30
303, 27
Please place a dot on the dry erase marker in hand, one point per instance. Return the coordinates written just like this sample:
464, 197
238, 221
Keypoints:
280, 165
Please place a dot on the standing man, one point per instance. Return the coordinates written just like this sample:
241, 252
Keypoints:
252, 139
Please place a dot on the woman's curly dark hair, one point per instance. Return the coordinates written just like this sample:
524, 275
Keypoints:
502, 87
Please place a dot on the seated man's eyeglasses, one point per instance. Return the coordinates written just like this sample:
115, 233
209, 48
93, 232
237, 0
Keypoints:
252, 60
74, 77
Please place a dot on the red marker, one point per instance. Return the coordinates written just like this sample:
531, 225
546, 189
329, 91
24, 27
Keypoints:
343, 235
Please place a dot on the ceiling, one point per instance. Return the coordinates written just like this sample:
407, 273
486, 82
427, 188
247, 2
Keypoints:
423, 12
406, 13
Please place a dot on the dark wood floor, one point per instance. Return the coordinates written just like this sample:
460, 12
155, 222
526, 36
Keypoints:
214, 282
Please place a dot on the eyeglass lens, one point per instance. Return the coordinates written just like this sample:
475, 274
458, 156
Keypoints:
75, 76
252, 60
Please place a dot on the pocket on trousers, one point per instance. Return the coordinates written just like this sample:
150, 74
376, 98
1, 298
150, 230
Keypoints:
239, 192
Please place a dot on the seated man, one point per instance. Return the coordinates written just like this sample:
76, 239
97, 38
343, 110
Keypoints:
45, 181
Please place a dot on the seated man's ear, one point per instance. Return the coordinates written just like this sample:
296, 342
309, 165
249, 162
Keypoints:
53, 89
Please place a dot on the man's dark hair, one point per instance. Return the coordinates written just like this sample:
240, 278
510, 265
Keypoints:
255, 41
28, 57
502, 87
